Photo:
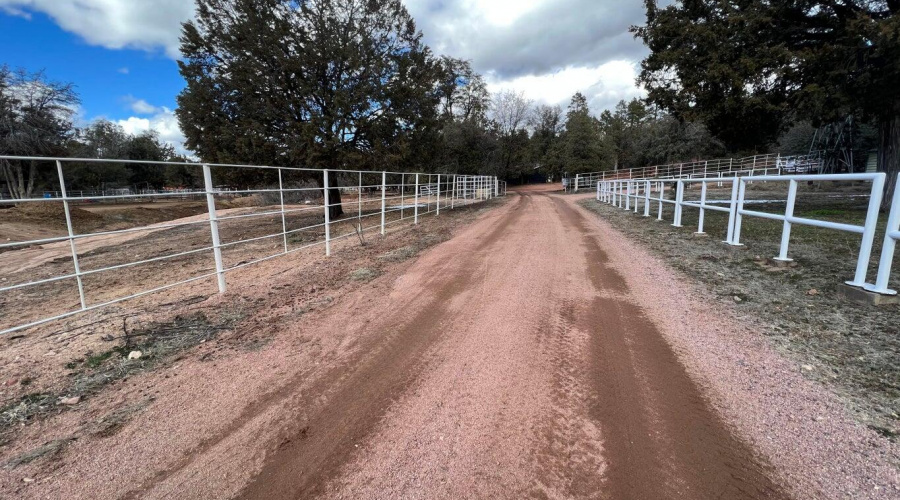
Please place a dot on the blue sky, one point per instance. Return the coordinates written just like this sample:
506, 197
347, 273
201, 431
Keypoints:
109, 81
121, 53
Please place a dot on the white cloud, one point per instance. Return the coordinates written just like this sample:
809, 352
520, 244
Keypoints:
115, 24
502, 12
124, 71
141, 106
14, 11
603, 85
164, 122
547, 48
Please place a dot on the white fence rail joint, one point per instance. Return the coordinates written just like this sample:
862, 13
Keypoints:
280, 202
621, 192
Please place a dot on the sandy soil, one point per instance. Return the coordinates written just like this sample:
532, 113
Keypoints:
538, 353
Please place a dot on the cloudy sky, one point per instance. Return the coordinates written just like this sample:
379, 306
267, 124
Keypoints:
121, 53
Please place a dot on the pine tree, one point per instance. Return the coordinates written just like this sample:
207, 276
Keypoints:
340, 84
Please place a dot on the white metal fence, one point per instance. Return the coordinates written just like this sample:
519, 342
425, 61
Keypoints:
291, 211
769, 164
629, 194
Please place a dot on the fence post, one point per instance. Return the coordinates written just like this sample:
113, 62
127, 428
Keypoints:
214, 227
416, 207
327, 216
628, 195
868, 236
892, 233
453, 194
738, 218
496, 186
637, 195
732, 211
646, 198
439, 195
383, 199
788, 213
576, 182
71, 230
598, 191
679, 197
702, 204
662, 191
283, 218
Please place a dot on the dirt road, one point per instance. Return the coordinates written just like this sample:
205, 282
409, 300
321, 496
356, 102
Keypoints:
512, 361
525, 371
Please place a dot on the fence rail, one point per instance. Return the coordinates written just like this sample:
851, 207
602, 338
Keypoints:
768, 164
628, 194
300, 216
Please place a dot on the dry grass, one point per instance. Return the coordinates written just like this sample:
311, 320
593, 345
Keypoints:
851, 348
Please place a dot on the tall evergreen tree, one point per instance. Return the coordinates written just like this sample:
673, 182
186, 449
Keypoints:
747, 67
583, 148
319, 83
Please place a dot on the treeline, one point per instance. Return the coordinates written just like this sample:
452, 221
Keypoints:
762, 72
350, 84
37, 118
520, 140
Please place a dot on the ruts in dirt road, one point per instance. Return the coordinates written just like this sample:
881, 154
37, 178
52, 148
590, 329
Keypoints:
515, 360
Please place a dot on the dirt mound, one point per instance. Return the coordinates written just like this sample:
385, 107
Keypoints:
49, 212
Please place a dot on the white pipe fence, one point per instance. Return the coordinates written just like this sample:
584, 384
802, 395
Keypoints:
627, 192
385, 196
768, 164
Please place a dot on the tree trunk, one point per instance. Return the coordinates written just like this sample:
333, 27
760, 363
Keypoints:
889, 154
15, 179
334, 198
335, 210
32, 172
7, 176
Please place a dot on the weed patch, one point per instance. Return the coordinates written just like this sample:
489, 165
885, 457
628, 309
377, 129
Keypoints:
156, 343
364, 274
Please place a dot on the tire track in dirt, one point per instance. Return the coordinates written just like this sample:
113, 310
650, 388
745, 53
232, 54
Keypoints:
662, 439
304, 462
570, 443
509, 362
401, 341
500, 413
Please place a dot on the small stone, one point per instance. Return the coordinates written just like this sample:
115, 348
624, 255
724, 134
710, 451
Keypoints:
135, 355
74, 400
738, 299
812, 292
11, 382
808, 368
27, 480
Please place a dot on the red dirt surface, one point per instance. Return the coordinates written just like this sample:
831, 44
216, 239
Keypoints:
529, 356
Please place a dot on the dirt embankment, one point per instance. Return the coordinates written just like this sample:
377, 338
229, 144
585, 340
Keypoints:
86, 358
